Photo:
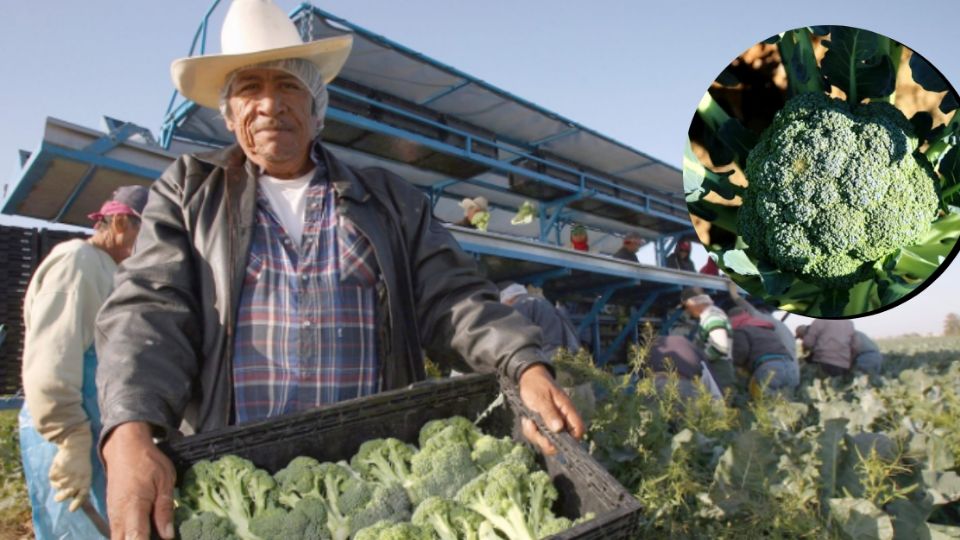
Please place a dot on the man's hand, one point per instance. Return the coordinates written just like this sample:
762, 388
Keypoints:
71, 470
541, 395
140, 480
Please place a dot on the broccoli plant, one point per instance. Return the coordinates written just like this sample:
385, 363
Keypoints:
827, 206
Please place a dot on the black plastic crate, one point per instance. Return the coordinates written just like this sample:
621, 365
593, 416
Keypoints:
336, 432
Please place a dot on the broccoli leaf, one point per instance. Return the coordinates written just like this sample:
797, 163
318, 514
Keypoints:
922, 123
949, 102
796, 52
919, 261
727, 139
950, 169
860, 519
855, 62
698, 181
738, 261
828, 453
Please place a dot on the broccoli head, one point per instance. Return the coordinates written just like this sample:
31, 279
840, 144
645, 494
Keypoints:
460, 428
207, 526
308, 519
386, 530
516, 501
489, 450
384, 460
230, 487
834, 188
442, 465
448, 519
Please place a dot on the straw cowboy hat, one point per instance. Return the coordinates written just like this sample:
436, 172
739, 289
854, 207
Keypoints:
254, 31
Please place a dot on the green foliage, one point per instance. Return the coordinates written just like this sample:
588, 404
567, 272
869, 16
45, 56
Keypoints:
14, 504
852, 456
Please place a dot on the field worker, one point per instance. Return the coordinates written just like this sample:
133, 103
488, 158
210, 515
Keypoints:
632, 243
678, 354
680, 258
271, 278
558, 332
867, 357
713, 335
476, 213
765, 313
60, 420
828, 343
761, 353
579, 239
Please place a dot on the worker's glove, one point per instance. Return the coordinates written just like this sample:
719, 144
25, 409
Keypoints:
72, 471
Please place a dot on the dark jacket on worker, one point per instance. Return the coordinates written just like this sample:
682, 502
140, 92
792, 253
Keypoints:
676, 353
557, 330
674, 262
164, 337
625, 254
756, 342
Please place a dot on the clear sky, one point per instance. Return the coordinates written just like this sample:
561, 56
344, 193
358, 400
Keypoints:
629, 69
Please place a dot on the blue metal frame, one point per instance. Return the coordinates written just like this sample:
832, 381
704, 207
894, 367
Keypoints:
538, 279
306, 6
549, 222
174, 113
466, 153
670, 320
630, 327
46, 153
606, 292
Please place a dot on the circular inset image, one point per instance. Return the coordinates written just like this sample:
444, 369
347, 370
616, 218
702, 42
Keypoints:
822, 171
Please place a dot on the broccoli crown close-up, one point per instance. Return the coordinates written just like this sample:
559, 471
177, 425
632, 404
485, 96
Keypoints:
834, 188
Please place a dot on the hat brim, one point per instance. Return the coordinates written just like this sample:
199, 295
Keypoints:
201, 78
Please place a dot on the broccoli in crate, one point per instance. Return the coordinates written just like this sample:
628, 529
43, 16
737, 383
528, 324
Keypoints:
459, 484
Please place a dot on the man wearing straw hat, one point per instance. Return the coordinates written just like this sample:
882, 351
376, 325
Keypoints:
271, 278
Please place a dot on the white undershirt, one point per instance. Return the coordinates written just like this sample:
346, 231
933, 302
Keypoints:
288, 199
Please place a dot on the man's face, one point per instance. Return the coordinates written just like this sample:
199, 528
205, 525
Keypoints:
632, 245
683, 254
270, 112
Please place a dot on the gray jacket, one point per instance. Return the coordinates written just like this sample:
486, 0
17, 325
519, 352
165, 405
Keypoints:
165, 336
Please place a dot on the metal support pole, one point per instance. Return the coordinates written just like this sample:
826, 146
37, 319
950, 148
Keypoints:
630, 327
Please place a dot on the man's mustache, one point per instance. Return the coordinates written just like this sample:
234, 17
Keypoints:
270, 124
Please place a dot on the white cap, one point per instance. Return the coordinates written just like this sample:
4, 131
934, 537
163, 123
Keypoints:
512, 291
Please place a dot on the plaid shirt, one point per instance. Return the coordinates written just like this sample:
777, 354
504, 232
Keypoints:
306, 327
